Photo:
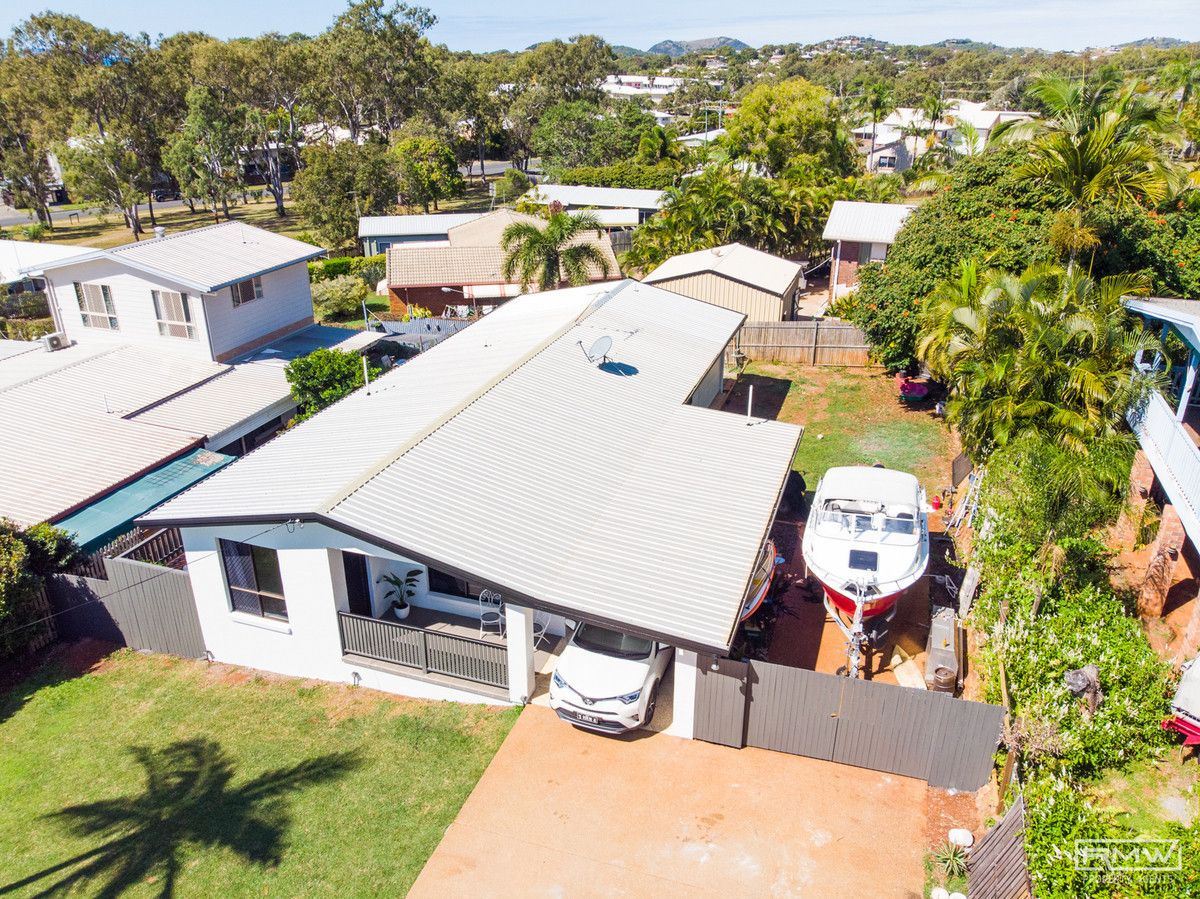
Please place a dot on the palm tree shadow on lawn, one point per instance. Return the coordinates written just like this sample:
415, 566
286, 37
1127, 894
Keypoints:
189, 801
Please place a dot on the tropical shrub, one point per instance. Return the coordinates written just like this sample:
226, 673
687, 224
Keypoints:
339, 297
626, 173
323, 377
1045, 354
27, 557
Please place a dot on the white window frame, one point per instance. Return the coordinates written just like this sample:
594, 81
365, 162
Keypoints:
87, 310
251, 285
165, 325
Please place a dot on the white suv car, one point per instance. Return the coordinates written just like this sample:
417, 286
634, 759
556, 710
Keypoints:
608, 681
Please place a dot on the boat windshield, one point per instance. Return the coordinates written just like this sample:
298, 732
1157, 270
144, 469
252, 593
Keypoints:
612, 643
858, 519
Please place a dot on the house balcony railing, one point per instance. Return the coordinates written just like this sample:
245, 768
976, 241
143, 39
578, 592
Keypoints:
432, 652
1173, 455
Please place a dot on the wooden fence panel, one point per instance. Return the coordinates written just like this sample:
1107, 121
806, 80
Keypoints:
949, 742
997, 866
140, 605
826, 341
721, 700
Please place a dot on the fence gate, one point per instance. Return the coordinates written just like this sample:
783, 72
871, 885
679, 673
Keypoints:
948, 742
721, 701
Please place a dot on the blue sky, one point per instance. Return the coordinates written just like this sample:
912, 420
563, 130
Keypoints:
514, 24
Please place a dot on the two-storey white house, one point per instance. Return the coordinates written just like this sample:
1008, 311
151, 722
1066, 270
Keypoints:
216, 292
168, 361
557, 461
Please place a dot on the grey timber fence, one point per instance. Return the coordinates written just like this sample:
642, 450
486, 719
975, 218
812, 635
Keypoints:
136, 604
997, 867
428, 651
948, 742
820, 341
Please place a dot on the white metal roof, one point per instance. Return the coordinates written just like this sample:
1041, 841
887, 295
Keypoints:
10, 348
412, 225
206, 259
585, 488
866, 222
80, 421
734, 261
1183, 314
20, 256
612, 197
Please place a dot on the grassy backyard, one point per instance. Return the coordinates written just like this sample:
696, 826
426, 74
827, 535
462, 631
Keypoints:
850, 417
155, 776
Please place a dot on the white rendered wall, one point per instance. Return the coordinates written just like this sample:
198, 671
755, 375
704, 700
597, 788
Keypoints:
308, 643
683, 709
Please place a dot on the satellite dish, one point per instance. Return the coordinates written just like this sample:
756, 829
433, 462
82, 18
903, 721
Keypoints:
599, 349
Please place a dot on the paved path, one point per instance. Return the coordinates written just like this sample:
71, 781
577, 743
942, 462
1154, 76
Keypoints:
560, 812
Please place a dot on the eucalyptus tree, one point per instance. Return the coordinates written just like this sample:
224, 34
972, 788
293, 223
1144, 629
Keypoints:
24, 146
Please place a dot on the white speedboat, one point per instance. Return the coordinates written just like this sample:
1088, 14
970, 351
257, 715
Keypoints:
867, 538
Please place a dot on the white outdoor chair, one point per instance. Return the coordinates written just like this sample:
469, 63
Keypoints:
540, 622
491, 612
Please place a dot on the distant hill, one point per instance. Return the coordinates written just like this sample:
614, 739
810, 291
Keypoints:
682, 48
622, 50
1158, 43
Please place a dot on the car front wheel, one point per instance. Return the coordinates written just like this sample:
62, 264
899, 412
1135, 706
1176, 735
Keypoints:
651, 704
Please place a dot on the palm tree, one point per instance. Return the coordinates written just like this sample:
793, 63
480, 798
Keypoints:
878, 101
933, 107
555, 254
1043, 355
1100, 141
1182, 76
659, 144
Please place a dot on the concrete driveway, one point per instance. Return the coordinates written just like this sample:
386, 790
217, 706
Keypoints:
560, 812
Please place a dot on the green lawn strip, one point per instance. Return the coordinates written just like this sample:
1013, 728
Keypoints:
855, 418
266, 787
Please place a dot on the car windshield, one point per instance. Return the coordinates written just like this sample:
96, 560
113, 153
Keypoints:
612, 643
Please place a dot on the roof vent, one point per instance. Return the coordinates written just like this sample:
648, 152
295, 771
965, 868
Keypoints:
160, 231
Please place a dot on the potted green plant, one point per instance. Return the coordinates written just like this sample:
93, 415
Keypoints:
402, 590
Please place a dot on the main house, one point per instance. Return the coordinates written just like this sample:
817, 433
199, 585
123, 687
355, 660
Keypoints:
167, 363
555, 462
466, 271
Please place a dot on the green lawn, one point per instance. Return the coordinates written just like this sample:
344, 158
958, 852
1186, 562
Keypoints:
850, 417
155, 776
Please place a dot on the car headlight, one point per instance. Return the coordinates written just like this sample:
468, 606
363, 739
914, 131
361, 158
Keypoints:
630, 698
558, 681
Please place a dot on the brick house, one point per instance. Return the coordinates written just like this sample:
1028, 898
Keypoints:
860, 233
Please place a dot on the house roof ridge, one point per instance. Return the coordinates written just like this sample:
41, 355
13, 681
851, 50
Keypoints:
73, 364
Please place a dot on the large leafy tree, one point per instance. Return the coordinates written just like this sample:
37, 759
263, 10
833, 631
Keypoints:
337, 184
793, 126
205, 155
23, 139
555, 254
428, 171
1044, 354
374, 67
106, 169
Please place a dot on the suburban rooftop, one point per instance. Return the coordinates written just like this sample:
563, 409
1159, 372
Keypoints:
866, 222
734, 261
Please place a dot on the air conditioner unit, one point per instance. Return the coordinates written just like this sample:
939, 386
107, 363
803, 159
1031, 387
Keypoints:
55, 341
